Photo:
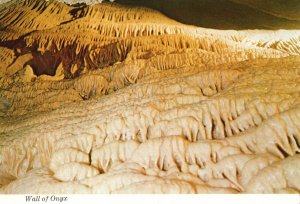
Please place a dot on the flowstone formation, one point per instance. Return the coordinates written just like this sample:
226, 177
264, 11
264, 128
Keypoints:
114, 99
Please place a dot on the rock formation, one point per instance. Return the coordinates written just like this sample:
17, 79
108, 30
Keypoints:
115, 99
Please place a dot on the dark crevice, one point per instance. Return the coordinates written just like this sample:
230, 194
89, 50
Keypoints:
90, 157
213, 129
77, 13
224, 126
296, 141
282, 151
44, 63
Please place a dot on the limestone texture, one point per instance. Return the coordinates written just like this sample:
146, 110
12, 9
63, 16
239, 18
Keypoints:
106, 98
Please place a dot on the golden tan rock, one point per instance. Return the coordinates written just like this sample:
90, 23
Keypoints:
132, 101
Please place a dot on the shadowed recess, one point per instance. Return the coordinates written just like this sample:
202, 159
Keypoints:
228, 14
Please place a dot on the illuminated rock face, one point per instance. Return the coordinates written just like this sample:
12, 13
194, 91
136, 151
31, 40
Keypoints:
112, 99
